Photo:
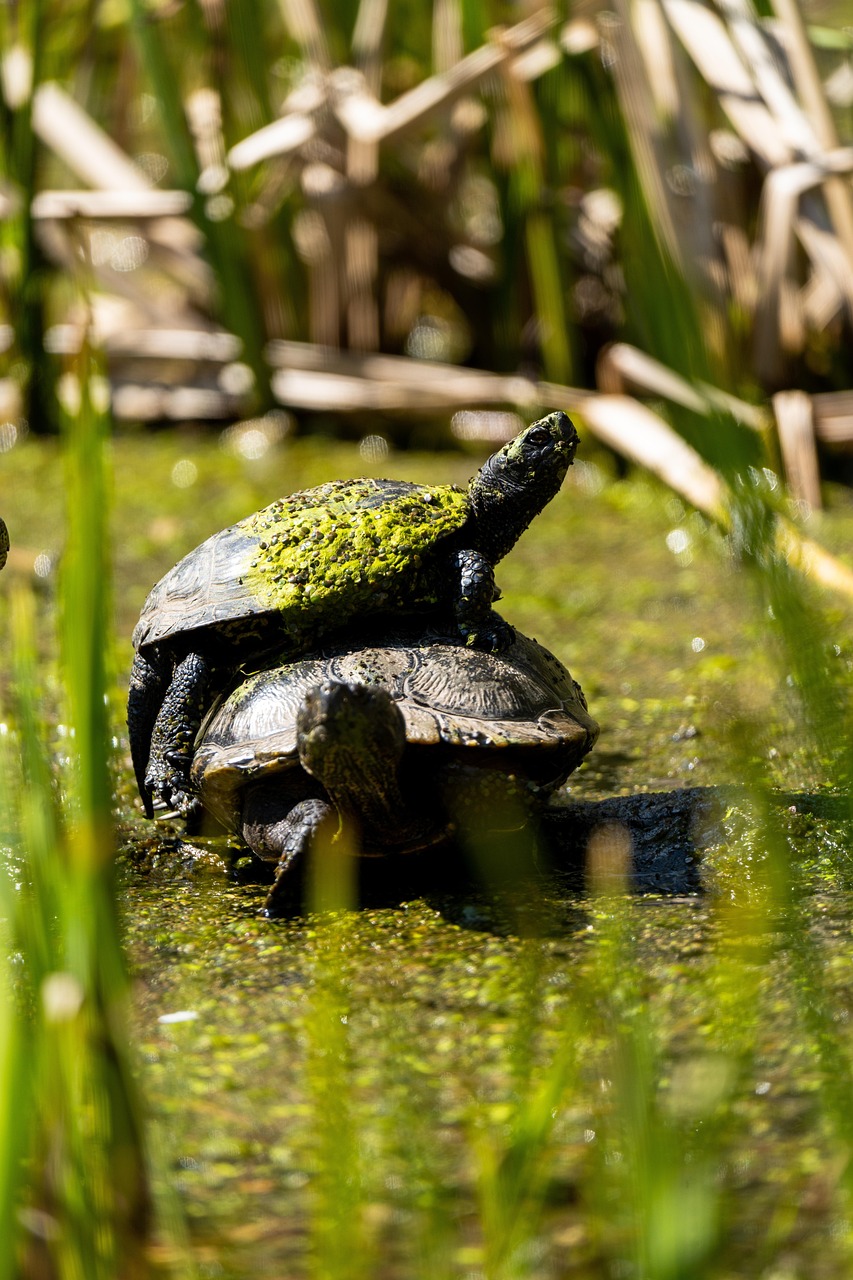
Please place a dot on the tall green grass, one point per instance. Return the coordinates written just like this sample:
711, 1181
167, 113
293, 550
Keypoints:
73, 1172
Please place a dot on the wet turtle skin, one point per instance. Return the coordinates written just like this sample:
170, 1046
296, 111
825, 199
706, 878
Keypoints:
395, 736
4, 543
305, 566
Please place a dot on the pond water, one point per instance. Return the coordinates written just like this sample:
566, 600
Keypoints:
324, 1093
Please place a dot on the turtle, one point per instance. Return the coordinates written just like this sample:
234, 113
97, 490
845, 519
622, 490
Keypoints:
312, 562
4, 542
392, 735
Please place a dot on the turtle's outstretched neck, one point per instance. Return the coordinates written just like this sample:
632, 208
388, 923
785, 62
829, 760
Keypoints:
518, 481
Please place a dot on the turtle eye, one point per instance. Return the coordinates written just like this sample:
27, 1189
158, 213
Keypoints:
539, 435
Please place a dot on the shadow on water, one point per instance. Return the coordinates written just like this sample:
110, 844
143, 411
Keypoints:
664, 834
666, 831
662, 839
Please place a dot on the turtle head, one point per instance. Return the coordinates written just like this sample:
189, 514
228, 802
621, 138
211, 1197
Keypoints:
518, 481
4, 543
350, 737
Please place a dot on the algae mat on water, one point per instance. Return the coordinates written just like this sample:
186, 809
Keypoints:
428, 1081
444, 1083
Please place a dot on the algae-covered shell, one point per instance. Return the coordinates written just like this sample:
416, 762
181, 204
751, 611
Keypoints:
316, 562
520, 708
313, 559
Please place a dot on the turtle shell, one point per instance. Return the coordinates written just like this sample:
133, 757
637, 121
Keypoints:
314, 559
522, 702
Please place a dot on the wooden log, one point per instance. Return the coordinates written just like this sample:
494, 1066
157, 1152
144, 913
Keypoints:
217, 346
813, 561
150, 402
279, 138
11, 405
365, 118
460, 385
134, 205
823, 295
63, 126
809, 85
795, 425
212, 345
353, 98
323, 390
750, 41
305, 24
778, 221
637, 433
833, 417
623, 368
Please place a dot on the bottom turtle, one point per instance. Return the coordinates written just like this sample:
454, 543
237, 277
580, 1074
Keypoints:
394, 737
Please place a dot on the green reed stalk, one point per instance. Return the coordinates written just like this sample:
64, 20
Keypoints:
84, 1195
515, 1173
339, 1239
16, 1101
158, 41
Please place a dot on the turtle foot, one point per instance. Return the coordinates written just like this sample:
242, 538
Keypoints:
273, 827
495, 636
477, 591
281, 907
167, 775
187, 805
171, 785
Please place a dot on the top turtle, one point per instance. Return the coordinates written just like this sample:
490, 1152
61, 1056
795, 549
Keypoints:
308, 564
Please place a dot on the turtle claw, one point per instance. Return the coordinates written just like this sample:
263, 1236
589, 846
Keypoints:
477, 621
187, 805
169, 785
495, 637
283, 900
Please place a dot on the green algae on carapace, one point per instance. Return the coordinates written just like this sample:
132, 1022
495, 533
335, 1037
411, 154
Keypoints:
350, 546
220, 604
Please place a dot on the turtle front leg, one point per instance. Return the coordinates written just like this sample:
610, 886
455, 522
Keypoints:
175, 732
149, 679
475, 592
275, 832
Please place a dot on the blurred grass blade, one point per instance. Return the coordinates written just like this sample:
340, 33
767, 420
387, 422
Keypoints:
338, 1231
16, 1048
83, 1189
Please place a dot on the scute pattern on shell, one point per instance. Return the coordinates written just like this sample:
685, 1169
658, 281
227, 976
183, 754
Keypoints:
449, 695
206, 587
